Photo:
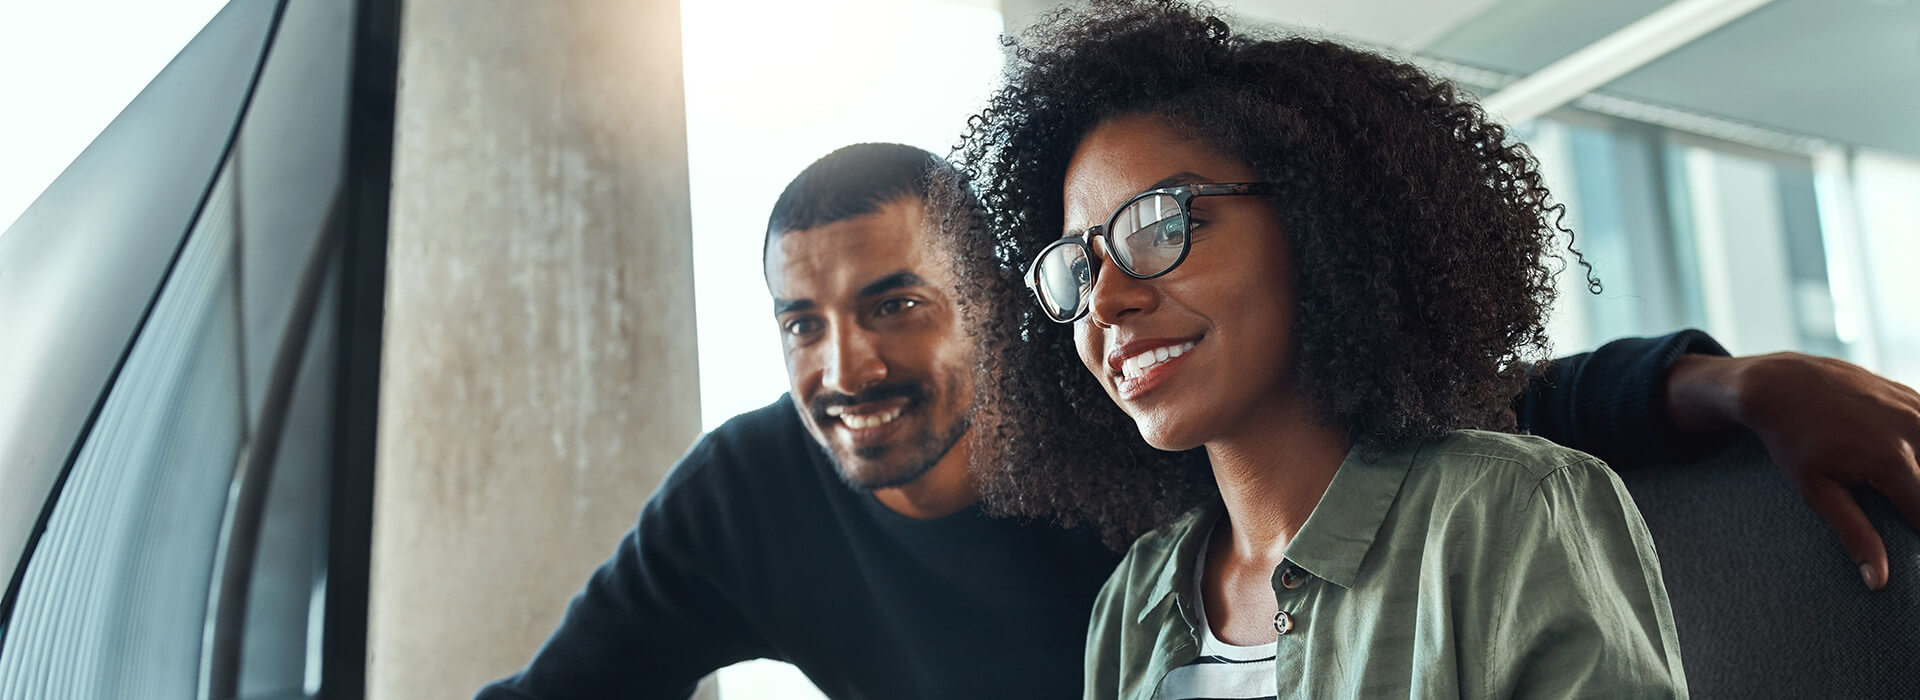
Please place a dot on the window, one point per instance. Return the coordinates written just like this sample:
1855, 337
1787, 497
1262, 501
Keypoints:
1687, 231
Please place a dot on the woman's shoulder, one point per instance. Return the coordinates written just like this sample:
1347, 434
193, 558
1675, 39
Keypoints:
1505, 474
1518, 456
1548, 561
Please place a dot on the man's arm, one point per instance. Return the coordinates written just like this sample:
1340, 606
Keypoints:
1612, 403
650, 622
1828, 424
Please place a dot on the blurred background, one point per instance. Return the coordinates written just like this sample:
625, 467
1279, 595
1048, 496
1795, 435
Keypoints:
1747, 167
1751, 172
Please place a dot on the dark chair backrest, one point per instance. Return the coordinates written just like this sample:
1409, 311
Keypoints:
1766, 603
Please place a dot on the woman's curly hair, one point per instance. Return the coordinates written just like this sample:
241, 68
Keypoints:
1418, 237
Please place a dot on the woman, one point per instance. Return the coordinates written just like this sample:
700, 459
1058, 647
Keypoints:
1294, 277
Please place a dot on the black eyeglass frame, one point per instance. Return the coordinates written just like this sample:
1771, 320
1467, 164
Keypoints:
1181, 194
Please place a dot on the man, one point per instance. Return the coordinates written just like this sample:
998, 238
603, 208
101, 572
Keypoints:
837, 528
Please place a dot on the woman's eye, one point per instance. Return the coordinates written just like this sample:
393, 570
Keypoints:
894, 306
1160, 234
1169, 232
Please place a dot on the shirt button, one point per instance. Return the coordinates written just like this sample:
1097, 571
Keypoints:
1282, 622
1292, 577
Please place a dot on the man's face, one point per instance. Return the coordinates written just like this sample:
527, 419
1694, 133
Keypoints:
878, 362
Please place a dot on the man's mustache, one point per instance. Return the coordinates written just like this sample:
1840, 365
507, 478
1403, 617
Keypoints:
912, 390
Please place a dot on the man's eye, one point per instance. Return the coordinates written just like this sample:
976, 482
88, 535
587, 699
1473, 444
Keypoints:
801, 326
894, 306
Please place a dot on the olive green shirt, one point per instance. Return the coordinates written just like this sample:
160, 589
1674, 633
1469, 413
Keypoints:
1482, 565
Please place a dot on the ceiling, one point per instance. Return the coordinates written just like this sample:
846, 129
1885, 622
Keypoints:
1846, 71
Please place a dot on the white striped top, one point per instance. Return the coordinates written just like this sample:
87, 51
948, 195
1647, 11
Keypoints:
1223, 671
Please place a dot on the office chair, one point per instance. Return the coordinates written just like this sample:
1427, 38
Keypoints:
1766, 603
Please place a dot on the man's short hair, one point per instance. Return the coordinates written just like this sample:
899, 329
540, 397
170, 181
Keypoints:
852, 181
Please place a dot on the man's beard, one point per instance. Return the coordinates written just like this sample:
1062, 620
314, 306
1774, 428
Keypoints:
920, 452
925, 450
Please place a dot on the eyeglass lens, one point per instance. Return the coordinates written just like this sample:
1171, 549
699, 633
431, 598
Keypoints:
1066, 277
1146, 237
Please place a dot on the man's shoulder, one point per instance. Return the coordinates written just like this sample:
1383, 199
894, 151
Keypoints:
765, 448
771, 432
774, 422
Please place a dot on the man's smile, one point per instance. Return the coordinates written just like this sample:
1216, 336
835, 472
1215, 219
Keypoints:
871, 415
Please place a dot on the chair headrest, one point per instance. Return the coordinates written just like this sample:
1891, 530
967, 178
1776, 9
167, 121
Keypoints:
1765, 601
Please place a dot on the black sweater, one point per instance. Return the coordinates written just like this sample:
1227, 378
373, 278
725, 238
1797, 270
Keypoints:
754, 548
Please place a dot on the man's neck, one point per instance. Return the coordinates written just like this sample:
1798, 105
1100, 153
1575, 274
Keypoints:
945, 489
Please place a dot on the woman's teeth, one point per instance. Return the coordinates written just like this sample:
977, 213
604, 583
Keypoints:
859, 421
1133, 367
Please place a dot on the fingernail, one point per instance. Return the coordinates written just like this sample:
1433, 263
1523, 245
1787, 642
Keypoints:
1867, 574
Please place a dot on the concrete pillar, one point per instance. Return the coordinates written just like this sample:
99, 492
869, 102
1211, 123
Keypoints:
539, 362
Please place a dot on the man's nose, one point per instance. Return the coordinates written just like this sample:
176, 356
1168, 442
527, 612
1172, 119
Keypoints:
853, 362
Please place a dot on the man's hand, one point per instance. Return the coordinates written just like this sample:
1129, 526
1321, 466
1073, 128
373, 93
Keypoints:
1829, 424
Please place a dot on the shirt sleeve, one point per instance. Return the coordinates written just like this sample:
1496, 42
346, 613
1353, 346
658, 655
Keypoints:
1611, 403
1580, 609
651, 622
1104, 631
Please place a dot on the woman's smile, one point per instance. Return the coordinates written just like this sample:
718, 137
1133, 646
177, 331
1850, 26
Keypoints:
1143, 365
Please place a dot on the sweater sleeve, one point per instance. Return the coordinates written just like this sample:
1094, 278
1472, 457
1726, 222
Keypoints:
651, 621
1611, 402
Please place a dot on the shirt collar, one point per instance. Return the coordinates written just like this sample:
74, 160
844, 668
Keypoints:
1330, 545
1343, 525
1185, 538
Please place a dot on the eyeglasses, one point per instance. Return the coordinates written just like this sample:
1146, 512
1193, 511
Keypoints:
1146, 237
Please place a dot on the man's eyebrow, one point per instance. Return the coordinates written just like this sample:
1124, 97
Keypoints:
891, 282
787, 306
1180, 178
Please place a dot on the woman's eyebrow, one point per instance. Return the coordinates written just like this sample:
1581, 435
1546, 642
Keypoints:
1180, 178
1183, 177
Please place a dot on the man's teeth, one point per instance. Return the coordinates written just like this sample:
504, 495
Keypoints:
860, 421
1133, 367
